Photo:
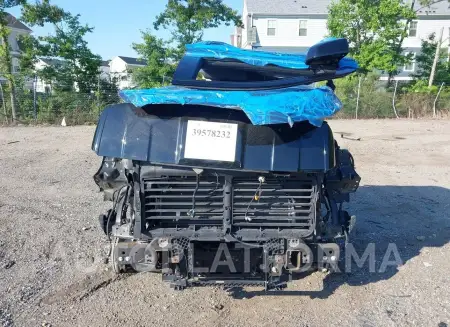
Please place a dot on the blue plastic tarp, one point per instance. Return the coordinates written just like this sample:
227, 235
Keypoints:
265, 107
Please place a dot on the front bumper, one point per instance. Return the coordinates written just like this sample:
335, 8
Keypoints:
184, 263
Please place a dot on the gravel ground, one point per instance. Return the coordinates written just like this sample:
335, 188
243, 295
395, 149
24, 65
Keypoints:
51, 270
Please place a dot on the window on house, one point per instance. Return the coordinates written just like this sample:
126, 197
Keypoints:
271, 27
412, 29
16, 69
409, 67
302, 30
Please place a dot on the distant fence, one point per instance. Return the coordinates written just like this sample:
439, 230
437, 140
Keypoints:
377, 101
374, 101
52, 105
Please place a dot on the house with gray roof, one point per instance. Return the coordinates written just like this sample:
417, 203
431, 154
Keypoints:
292, 26
121, 69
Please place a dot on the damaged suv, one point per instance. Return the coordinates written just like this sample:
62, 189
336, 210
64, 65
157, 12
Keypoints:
230, 175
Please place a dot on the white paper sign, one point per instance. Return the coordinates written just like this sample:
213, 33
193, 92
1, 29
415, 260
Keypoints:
210, 141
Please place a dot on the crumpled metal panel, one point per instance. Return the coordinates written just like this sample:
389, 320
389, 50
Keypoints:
289, 105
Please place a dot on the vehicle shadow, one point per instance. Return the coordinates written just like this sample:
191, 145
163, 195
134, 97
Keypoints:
411, 217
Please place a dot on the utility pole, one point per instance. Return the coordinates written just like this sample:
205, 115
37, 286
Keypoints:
393, 99
98, 92
436, 58
34, 98
357, 98
435, 100
3, 102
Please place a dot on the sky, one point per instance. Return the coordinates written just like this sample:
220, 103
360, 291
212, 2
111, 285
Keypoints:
117, 23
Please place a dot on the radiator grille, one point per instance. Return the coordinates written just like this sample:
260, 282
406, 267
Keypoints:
169, 201
279, 202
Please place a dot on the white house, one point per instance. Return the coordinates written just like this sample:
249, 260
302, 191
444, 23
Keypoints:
16, 28
295, 25
121, 68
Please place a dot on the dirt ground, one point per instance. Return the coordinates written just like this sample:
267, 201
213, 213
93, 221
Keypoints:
51, 249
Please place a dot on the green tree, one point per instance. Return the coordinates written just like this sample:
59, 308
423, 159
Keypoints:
373, 29
399, 42
424, 62
159, 58
38, 13
107, 92
42, 12
77, 65
187, 20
